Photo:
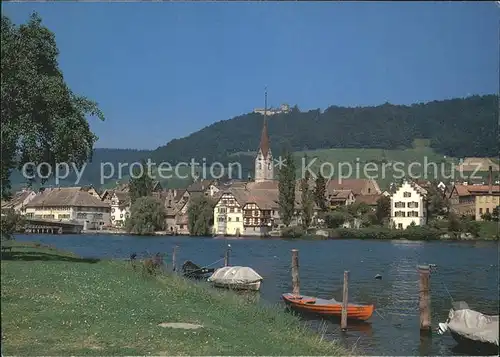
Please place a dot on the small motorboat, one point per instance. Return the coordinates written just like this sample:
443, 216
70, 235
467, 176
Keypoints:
471, 329
191, 270
327, 307
237, 278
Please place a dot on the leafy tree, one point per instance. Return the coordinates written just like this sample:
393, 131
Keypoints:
307, 200
495, 214
42, 119
11, 222
383, 209
286, 187
141, 184
473, 227
487, 217
369, 219
335, 219
455, 226
319, 192
437, 204
147, 215
200, 216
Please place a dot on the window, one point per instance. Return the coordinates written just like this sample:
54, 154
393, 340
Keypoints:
407, 194
229, 219
399, 204
400, 225
181, 226
480, 210
369, 190
412, 204
487, 210
231, 210
237, 219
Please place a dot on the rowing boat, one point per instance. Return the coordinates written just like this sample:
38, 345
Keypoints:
327, 307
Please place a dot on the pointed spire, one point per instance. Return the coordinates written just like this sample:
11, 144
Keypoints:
264, 137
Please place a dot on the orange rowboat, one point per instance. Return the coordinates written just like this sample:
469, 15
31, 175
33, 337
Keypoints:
327, 307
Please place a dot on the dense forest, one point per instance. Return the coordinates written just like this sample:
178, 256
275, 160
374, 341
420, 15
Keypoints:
456, 127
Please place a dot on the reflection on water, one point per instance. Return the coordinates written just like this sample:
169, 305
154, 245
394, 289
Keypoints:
464, 271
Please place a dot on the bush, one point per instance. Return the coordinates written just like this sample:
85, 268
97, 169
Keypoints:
292, 232
411, 233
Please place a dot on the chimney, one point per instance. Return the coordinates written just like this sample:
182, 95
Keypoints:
490, 180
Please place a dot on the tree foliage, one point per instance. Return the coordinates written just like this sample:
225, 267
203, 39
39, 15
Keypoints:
11, 222
147, 215
383, 209
320, 192
307, 200
42, 119
335, 219
141, 184
286, 188
200, 215
437, 203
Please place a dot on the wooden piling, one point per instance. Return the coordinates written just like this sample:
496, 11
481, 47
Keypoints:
345, 301
295, 272
424, 298
174, 258
226, 257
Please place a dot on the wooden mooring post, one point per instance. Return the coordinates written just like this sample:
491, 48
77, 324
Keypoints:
345, 301
226, 256
174, 258
295, 272
424, 298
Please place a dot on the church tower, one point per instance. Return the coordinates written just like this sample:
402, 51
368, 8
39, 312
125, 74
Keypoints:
264, 169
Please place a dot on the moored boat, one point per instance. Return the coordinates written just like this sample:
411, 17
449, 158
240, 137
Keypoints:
472, 329
192, 270
237, 278
327, 307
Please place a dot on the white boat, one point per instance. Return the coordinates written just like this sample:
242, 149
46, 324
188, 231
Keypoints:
471, 329
237, 278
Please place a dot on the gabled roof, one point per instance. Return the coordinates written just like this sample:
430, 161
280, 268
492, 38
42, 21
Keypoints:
200, 186
355, 185
17, 199
370, 200
65, 196
339, 195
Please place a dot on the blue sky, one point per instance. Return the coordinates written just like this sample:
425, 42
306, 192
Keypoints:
164, 70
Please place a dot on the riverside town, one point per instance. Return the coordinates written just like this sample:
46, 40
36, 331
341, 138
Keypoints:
249, 202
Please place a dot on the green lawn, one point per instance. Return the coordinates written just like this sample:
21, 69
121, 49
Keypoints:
489, 229
55, 303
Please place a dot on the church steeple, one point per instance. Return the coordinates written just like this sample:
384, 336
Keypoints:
264, 136
264, 160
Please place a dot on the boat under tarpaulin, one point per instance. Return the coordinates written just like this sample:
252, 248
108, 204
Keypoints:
471, 328
236, 277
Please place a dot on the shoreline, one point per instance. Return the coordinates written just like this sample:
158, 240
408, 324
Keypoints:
272, 238
124, 315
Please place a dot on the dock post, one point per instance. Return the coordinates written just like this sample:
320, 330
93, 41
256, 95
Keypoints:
226, 257
295, 272
424, 298
174, 258
345, 301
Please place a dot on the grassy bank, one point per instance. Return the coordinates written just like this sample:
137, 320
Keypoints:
55, 303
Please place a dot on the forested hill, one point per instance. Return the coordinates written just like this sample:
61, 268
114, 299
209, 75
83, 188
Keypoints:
456, 127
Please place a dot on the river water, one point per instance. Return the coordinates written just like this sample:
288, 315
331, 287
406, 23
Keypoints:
465, 271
